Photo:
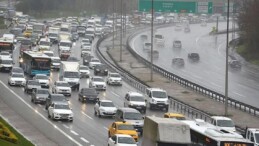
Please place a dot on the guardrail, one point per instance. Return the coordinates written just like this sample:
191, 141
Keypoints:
175, 104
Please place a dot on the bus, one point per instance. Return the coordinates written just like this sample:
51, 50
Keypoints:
6, 45
206, 134
35, 63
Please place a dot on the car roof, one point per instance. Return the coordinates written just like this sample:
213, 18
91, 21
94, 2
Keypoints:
132, 93
105, 100
174, 115
122, 123
155, 89
97, 77
220, 118
127, 109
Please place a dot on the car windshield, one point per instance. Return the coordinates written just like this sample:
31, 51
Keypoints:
95, 60
84, 68
17, 75
115, 75
194, 55
158, 36
107, 104
80, 28
159, 94
45, 43
17, 70
33, 83
62, 106
137, 98
257, 137
133, 116
71, 75
6, 61
65, 44
63, 84
177, 42
56, 60
147, 44
85, 41
126, 140
125, 127
58, 98
43, 91
88, 91
42, 77
53, 35
5, 53
225, 123
98, 79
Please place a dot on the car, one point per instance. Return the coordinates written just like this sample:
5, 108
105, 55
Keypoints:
6, 64
49, 53
147, 46
101, 69
122, 127
187, 29
159, 39
177, 44
195, 57
55, 98
39, 96
61, 87
84, 71
86, 59
144, 36
55, 63
155, 54
86, 50
60, 111
174, 116
178, 27
135, 100
223, 123
93, 62
98, 83
73, 59
114, 79
235, 64
31, 85
121, 140
5, 54
85, 41
17, 70
16, 79
42, 79
74, 37
88, 94
178, 61
105, 108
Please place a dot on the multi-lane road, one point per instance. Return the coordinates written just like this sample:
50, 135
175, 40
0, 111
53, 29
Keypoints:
86, 129
210, 70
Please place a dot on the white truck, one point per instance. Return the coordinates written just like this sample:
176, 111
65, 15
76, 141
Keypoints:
69, 71
53, 34
165, 132
252, 134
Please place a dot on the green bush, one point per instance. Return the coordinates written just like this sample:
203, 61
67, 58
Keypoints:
6, 134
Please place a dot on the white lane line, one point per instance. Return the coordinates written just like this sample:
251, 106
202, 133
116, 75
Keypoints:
84, 140
87, 115
40, 105
216, 84
219, 49
239, 94
65, 126
72, 131
64, 133
106, 128
115, 94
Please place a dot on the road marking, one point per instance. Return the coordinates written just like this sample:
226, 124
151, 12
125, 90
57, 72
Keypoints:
40, 105
87, 115
72, 131
105, 128
64, 133
115, 93
83, 139
219, 49
65, 126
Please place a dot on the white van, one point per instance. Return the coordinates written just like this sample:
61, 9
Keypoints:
6, 64
224, 123
157, 98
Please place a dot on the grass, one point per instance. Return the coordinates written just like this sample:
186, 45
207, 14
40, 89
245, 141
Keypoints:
249, 56
21, 140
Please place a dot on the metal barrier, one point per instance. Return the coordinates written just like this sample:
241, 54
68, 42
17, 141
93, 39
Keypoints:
175, 104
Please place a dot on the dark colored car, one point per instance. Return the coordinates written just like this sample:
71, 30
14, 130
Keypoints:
178, 62
235, 64
55, 98
86, 59
194, 57
88, 94
74, 37
39, 95
31, 85
101, 70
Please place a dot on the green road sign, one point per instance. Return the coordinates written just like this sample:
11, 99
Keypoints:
176, 6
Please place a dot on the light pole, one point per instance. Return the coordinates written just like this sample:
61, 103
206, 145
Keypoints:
152, 45
121, 35
113, 11
226, 73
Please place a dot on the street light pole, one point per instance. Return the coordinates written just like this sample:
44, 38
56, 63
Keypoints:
121, 35
226, 74
152, 45
113, 11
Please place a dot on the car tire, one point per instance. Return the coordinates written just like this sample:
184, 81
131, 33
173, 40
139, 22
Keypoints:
151, 107
109, 134
99, 115
79, 99
49, 115
52, 117
95, 113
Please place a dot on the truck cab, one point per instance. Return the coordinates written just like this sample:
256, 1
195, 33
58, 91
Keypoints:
252, 134
224, 123
157, 98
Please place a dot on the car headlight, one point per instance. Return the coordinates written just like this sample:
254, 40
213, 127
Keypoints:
131, 104
71, 115
106, 70
56, 114
102, 110
37, 97
153, 100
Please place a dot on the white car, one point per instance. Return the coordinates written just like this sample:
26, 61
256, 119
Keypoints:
55, 62
121, 140
5, 54
114, 79
61, 87
147, 46
98, 83
135, 100
60, 111
85, 41
177, 44
42, 79
85, 51
105, 108
16, 79
159, 39
84, 71
93, 62
49, 53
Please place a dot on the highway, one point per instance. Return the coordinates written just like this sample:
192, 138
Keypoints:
210, 70
86, 129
